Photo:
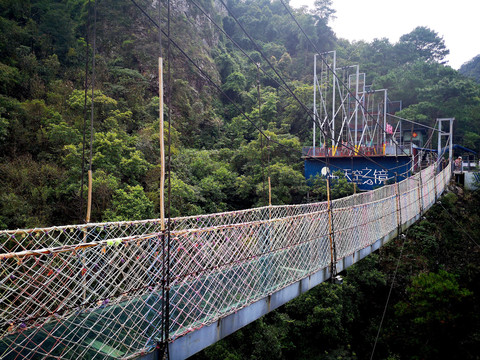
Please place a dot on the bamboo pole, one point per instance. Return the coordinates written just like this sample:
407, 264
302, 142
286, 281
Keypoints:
85, 231
269, 199
420, 192
330, 229
89, 203
162, 144
399, 206
269, 192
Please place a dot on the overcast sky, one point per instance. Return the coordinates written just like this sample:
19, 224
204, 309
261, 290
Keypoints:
458, 22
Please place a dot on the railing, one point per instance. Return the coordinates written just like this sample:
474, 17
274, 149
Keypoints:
389, 150
95, 291
343, 151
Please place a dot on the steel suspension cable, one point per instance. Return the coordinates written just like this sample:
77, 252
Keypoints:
236, 44
404, 237
305, 109
414, 122
237, 108
462, 228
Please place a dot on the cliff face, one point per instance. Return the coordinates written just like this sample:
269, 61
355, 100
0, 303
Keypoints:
128, 39
193, 95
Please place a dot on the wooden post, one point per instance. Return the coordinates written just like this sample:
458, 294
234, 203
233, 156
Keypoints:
399, 206
162, 144
269, 192
420, 192
85, 229
269, 199
269, 182
89, 203
330, 228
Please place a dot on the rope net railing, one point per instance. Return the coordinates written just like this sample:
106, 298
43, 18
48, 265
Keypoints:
95, 291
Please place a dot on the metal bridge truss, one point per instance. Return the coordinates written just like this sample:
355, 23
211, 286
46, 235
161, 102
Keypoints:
348, 111
95, 291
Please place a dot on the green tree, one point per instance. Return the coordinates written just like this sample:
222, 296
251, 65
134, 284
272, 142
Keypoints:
114, 153
288, 185
234, 85
130, 203
423, 44
31, 194
433, 314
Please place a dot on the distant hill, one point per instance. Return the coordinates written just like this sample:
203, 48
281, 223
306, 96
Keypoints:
472, 68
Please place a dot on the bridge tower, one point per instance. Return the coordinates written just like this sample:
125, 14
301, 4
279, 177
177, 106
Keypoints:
353, 124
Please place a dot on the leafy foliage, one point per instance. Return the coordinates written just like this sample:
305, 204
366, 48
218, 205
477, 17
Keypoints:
129, 204
220, 161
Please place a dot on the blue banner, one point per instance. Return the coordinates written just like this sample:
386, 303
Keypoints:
368, 175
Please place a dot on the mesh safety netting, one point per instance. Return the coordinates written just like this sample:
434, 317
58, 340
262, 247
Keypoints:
94, 291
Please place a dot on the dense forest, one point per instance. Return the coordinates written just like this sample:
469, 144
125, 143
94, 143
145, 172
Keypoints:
225, 80
219, 162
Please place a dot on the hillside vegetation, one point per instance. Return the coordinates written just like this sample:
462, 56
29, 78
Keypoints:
219, 161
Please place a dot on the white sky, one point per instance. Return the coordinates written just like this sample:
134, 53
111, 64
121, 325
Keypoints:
458, 22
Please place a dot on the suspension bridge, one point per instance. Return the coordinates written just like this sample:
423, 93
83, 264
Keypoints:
123, 290
98, 291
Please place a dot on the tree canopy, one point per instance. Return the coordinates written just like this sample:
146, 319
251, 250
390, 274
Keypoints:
45, 116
